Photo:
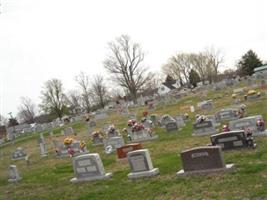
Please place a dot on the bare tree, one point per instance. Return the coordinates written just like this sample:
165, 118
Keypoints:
83, 81
74, 102
99, 90
27, 110
53, 98
215, 60
179, 66
125, 65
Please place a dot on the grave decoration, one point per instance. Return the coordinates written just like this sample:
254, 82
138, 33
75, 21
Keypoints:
203, 160
97, 138
203, 126
69, 148
112, 131
13, 174
233, 140
141, 164
88, 167
19, 154
137, 132
252, 94
255, 124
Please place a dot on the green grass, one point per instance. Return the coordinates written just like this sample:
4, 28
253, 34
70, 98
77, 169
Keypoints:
48, 178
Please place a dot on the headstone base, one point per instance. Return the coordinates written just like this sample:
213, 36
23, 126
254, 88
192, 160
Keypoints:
77, 180
228, 168
260, 133
20, 158
136, 175
14, 180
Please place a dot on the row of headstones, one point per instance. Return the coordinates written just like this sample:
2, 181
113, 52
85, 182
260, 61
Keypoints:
200, 160
208, 126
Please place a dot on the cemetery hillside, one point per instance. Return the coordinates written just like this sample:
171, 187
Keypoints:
206, 142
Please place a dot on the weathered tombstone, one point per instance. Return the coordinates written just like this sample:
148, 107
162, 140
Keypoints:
180, 121
43, 149
122, 151
18, 154
227, 114
88, 167
203, 160
13, 174
204, 128
141, 164
206, 105
249, 123
166, 119
68, 131
171, 126
142, 135
111, 144
231, 140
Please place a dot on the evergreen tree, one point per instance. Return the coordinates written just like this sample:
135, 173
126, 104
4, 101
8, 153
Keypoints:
193, 78
248, 63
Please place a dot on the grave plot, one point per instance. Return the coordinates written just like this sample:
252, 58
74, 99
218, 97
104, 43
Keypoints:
232, 140
141, 164
138, 133
254, 123
88, 167
202, 161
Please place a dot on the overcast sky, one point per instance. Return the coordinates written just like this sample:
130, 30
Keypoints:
44, 39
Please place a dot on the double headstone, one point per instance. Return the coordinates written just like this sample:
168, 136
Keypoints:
206, 127
141, 164
142, 135
249, 123
88, 167
231, 140
227, 114
203, 160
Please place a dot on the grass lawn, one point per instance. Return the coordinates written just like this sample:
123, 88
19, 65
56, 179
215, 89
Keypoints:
49, 177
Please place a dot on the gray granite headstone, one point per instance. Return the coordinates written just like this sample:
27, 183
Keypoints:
171, 126
204, 128
13, 174
227, 114
88, 167
249, 123
141, 164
